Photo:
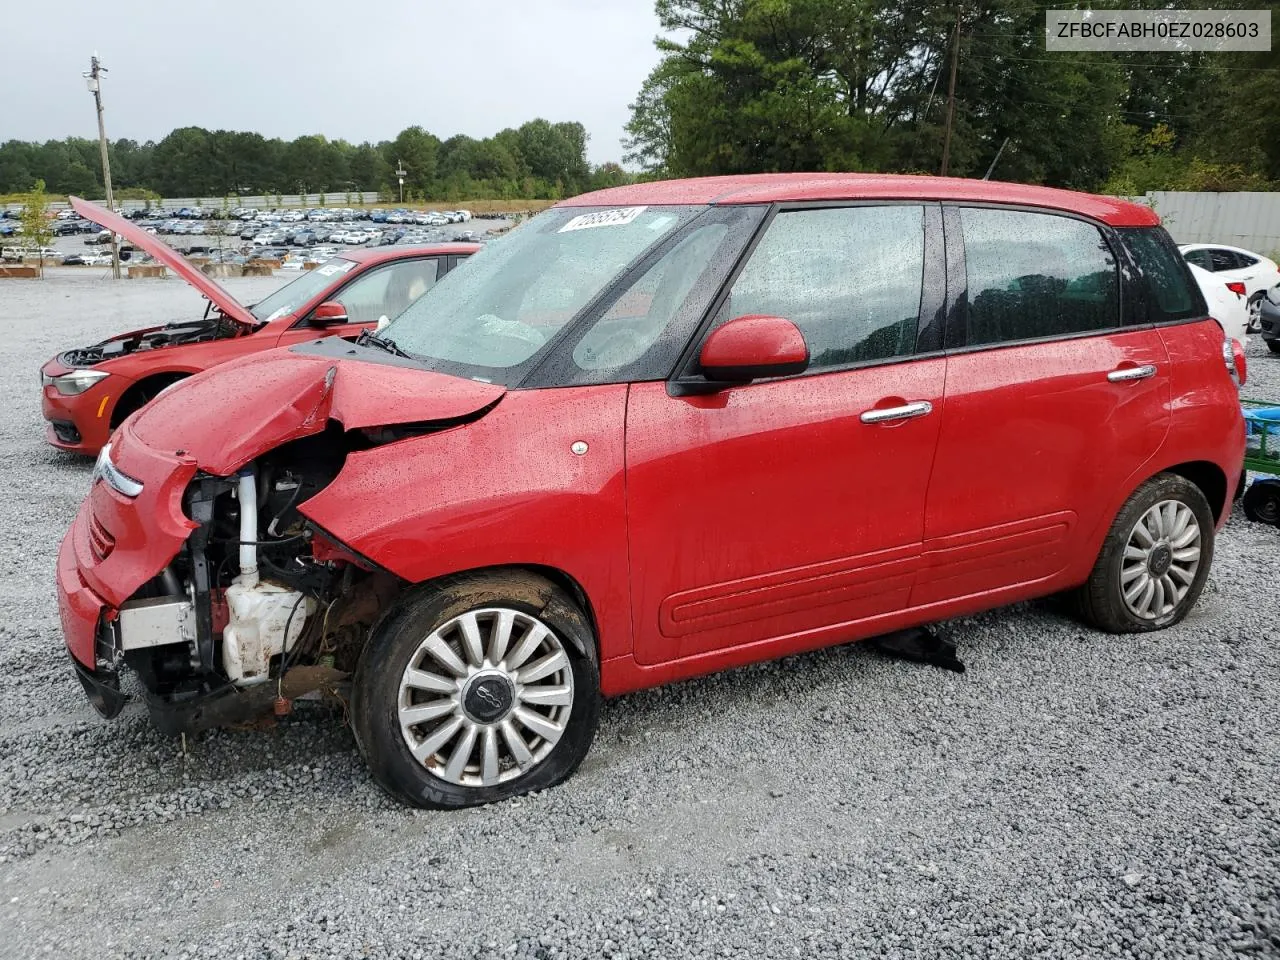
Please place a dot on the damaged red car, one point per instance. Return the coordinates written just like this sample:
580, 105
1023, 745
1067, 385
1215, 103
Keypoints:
662, 430
88, 391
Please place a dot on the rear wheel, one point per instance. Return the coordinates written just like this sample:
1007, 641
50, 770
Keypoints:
1154, 561
1262, 502
478, 688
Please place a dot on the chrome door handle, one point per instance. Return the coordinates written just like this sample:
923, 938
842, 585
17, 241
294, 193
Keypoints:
1132, 373
910, 411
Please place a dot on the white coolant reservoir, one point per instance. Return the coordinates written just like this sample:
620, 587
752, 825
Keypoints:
260, 627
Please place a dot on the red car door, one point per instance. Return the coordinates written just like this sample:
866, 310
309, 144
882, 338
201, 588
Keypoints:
1052, 405
763, 513
384, 291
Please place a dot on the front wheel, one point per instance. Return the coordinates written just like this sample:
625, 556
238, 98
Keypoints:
1154, 561
476, 689
1273, 346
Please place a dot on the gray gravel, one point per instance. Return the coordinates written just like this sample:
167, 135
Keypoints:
1071, 795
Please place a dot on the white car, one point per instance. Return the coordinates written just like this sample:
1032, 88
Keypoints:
1257, 273
1227, 306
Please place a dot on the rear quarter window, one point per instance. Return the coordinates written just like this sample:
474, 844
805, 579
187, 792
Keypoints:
1170, 291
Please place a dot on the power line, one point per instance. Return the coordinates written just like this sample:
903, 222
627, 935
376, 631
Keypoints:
1124, 63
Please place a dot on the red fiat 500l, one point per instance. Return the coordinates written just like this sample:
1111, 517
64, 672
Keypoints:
658, 431
89, 391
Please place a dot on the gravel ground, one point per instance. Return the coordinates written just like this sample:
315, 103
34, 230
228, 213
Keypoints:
1071, 795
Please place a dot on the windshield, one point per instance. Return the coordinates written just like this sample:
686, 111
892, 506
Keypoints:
491, 318
290, 297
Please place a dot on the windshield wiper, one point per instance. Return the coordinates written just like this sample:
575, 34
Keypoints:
383, 343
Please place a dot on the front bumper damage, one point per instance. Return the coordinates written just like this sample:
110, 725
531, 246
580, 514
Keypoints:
160, 574
120, 601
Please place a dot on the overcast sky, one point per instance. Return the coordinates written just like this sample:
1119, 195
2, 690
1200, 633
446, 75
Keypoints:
351, 69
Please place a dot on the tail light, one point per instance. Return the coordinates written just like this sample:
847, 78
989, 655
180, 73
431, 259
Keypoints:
1238, 288
1233, 357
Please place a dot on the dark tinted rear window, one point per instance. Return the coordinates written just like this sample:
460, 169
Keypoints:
1171, 290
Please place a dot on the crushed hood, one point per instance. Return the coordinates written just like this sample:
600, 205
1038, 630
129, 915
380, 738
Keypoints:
236, 411
164, 253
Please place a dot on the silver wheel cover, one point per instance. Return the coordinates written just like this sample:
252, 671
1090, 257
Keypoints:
485, 697
1161, 558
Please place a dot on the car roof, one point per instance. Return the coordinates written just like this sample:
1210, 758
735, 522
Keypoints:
1216, 246
403, 250
765, 188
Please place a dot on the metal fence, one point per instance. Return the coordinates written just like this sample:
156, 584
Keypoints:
1249, 220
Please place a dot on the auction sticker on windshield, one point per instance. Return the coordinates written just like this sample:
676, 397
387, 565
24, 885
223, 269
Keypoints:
335, 266
603, 218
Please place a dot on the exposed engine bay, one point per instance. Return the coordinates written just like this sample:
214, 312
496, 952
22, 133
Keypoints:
170, 335
257, 592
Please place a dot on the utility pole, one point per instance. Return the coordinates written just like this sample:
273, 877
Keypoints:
94, 76
401, 173
951, 98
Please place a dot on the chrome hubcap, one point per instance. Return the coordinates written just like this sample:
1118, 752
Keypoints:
486, 697
1160, 561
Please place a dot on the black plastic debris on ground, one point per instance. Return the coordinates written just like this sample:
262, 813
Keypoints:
919, 646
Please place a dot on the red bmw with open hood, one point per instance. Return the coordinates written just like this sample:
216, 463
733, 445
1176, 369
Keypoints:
88, 391
657, 431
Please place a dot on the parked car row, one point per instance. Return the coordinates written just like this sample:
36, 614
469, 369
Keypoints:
643, 438
52, 256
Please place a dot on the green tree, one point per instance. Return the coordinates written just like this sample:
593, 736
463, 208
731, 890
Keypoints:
37, 231
418, 151
609, 175
783, 85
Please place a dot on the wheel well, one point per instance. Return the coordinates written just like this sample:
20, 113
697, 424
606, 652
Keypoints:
1209, 478
142, 391
556, 576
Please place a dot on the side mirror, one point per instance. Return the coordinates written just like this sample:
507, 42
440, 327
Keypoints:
328, 314
754, 347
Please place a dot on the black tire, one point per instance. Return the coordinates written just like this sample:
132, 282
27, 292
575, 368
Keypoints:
142, 393
1262, 502
1273, 346
395, 640
1100, 601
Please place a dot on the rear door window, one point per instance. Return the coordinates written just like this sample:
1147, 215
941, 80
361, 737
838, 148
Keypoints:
1223, 260
1034, 275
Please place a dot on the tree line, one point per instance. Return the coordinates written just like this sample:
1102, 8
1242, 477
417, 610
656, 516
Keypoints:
802, 85
538, 160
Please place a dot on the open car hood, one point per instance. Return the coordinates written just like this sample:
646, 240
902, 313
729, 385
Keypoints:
164, 253
236, 411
